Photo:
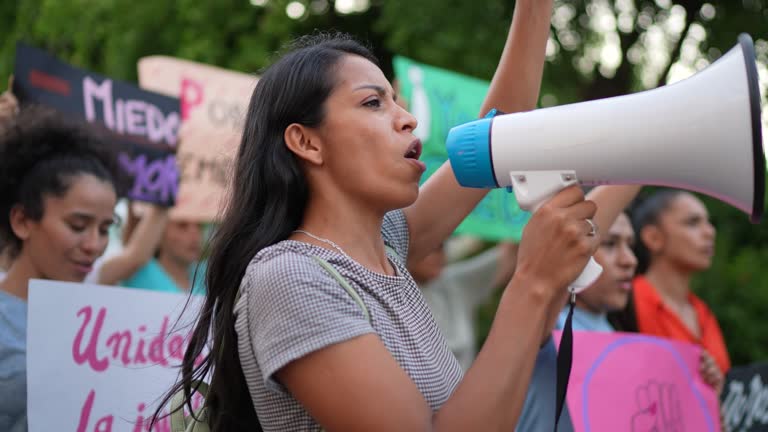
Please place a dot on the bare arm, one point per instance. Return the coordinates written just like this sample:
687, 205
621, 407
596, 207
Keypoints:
138, 250
506, 264
344, 393
611, 201
357, 384
482, 274
515, 87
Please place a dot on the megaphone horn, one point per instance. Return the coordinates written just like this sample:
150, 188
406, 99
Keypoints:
701, 134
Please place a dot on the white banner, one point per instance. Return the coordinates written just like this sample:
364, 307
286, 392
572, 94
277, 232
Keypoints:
99, 358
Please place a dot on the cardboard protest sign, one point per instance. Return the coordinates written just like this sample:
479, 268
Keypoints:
638, 383
440, 100
99, 358
145, 124
213, 105
745, 398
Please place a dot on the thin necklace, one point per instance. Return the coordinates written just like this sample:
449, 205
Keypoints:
338, 248
324, 240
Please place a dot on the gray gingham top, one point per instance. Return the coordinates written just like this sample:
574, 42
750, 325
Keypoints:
290, 306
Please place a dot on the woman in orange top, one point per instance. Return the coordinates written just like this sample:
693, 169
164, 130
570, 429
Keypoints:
676, 241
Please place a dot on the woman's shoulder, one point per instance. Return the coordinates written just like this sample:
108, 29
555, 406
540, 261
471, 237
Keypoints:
12, 305
288, 280
286, 263
282, 252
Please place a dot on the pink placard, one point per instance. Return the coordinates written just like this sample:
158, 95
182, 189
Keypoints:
638, 383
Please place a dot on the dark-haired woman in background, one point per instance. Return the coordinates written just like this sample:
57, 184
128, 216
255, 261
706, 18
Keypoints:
676, 241
57, 199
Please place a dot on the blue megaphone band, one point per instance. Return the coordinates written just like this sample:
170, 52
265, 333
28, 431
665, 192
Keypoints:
469, 150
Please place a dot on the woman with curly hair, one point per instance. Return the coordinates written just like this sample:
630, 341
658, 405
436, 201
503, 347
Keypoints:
57, 198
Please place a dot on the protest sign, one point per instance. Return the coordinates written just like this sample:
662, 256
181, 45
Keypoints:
99, 358
213, 105
745, 398
638, 383
144, 124
440, 100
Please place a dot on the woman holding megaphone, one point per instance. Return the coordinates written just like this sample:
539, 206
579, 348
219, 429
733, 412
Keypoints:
314, 319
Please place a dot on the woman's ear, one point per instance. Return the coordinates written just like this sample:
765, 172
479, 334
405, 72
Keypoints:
20, 223
304, 143
652, 237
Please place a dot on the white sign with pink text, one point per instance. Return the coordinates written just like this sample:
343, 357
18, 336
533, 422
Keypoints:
100, 358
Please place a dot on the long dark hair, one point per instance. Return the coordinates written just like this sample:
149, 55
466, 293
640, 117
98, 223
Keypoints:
647, 212
41, 153
267, 199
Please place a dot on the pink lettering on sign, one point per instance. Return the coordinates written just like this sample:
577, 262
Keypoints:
89, 354
191, 96
128, 346
104, 424
141, 424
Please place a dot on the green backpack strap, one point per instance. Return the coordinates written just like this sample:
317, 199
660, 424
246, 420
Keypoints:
180, 423
392, 250
343, 282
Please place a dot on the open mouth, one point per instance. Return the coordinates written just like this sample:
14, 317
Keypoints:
414, 150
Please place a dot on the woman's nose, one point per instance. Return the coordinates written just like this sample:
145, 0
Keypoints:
405, 120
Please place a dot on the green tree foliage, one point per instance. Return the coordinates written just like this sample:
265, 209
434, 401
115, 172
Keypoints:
598, 48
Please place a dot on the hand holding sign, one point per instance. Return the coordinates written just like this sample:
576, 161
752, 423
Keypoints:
9, 105
711, 373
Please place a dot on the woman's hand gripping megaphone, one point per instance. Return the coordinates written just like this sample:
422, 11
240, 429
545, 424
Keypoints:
469, 150
555, 197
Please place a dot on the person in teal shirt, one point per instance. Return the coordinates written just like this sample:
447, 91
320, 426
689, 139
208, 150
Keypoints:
153, 276
162, 253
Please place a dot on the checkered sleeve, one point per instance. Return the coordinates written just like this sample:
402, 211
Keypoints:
295, 307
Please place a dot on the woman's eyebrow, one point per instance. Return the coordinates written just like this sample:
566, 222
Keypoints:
81, 216
379, 89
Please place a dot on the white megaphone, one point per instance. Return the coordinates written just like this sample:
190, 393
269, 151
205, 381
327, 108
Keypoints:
702, 134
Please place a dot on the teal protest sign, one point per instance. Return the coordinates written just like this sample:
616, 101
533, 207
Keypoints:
440, 100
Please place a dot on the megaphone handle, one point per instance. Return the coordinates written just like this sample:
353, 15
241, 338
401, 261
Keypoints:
532, 189
587, 277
